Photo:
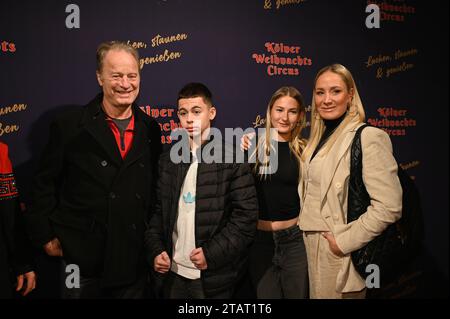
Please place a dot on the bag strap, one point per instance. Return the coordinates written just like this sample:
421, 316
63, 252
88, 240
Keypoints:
358, 198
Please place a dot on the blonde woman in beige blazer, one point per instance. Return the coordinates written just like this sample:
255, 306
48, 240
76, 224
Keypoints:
337, 112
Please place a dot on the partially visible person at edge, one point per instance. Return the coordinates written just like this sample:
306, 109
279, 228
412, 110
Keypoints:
278, 264
16, 257
94, 186
337, 112
206, 213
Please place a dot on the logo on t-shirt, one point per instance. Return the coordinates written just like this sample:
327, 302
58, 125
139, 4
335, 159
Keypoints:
188, 198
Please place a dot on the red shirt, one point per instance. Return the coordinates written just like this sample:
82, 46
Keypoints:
123, 142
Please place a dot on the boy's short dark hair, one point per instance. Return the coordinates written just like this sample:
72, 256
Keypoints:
192, 90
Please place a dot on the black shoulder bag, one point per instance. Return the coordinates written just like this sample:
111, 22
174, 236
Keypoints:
399, 241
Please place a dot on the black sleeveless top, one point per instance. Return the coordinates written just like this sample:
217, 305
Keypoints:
278, 193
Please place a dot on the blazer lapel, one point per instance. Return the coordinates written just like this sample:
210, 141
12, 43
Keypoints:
334, 157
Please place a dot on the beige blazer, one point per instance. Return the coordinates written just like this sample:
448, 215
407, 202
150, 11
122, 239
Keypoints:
382, 184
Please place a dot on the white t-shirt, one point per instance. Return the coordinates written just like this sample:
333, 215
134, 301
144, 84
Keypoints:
183, 235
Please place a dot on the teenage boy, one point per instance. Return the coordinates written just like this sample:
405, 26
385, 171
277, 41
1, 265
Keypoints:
205, 214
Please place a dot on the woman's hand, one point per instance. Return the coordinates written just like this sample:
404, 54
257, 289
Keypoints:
245, 141
332, 243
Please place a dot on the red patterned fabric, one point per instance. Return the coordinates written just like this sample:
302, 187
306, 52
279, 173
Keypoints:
8, 187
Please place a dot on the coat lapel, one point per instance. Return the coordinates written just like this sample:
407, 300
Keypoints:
139, 139
95, 123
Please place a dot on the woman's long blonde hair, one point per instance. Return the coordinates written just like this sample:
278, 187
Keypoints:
355, 112
296, 142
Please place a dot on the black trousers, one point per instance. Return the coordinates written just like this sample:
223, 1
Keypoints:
178, 287
90, 289
278, 266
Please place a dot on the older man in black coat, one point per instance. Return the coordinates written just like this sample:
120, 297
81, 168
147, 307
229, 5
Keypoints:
94, 186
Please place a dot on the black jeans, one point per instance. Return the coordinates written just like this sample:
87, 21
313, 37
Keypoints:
278, 265
178, 287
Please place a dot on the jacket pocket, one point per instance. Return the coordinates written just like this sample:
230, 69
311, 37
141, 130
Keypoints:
82, 243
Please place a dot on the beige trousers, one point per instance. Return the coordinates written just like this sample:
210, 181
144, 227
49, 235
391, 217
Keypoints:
323, 267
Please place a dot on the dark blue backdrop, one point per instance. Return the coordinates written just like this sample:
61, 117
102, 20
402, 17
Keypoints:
49, 67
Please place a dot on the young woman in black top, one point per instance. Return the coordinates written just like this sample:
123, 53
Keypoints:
278, 266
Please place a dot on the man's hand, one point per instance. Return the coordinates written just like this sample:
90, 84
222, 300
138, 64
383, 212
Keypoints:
30, 278
161, 263
53, 248
333, 245
198, 259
